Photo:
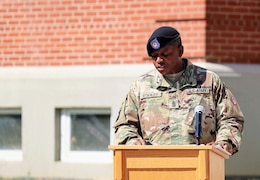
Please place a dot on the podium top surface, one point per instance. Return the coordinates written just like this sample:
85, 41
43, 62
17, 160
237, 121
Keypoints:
215, 149
112, 147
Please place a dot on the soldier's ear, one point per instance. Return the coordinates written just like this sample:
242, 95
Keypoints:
181, 50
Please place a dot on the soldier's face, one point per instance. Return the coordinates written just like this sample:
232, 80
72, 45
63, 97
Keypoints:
167, 60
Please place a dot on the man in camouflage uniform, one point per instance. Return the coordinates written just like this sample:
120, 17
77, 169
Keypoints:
159, 108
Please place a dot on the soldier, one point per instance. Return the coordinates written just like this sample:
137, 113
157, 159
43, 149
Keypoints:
159, 107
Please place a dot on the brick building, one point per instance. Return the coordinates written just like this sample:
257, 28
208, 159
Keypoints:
86, 32
65, 60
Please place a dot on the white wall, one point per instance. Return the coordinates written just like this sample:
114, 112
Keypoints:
41, 90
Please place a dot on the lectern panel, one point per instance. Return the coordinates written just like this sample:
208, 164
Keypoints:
162, 174
168, 162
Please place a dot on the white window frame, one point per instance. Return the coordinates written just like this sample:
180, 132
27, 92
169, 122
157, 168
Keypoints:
66, 154
11, 155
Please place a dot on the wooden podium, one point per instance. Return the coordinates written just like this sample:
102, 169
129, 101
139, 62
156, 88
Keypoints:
168, 162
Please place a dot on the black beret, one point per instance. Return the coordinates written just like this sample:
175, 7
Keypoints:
161, 37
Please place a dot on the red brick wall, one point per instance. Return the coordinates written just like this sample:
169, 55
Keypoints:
233, 31
83, 32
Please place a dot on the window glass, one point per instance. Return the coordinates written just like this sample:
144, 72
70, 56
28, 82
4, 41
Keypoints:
85, 135
10, 134
90, 132
10, 131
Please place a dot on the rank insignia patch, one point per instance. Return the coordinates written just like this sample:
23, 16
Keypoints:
155, 43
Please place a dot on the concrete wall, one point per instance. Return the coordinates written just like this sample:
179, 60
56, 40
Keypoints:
40, 91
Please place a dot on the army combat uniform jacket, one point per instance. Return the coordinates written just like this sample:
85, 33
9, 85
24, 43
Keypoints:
162, 112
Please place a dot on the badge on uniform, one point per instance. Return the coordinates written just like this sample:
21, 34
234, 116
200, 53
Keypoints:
234, 101
151, 94
198, 91
174, 104
155, 44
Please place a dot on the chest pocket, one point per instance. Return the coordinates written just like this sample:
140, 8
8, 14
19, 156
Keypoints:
152, 100
154, 109
194, 97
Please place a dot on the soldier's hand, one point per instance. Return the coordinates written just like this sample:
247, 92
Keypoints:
139, 142
224, 145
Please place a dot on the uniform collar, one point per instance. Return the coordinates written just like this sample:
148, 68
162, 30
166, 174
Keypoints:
188, 78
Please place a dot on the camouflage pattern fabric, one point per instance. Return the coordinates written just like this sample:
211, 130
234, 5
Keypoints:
162, 113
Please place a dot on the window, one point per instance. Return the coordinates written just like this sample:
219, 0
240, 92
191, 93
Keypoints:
85, 135
10, 134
